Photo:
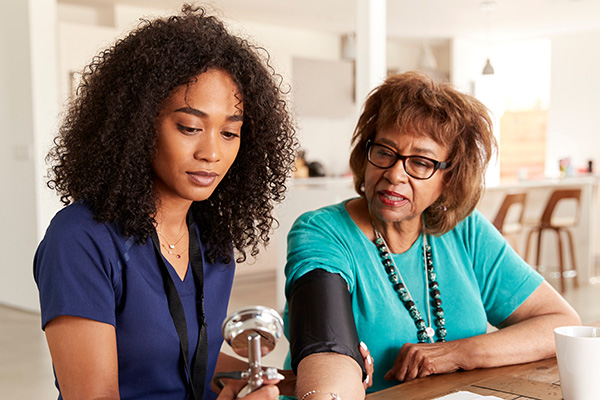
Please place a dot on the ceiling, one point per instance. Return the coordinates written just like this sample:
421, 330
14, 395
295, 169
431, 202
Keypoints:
503, 19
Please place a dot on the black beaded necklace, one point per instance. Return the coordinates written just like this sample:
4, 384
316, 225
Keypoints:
424, 333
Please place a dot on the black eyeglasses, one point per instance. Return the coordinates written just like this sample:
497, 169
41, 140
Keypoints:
417, 167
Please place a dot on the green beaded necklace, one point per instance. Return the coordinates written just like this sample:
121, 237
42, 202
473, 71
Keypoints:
424, 333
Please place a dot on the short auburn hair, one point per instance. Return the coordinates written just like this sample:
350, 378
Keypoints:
413, 102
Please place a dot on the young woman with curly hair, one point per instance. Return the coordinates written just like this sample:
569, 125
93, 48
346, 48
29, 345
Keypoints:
169, 163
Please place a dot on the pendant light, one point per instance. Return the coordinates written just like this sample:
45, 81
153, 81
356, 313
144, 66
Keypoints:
488, 69
488, 7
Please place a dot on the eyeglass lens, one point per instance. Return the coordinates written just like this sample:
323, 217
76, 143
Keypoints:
415, 166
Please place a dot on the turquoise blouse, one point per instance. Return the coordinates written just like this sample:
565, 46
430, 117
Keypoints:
481, 279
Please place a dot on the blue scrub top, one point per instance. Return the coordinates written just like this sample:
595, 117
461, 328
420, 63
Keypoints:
87, 269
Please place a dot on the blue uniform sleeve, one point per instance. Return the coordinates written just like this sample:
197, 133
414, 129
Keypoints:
505, 279
72, 270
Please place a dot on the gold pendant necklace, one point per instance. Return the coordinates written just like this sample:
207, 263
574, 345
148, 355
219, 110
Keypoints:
170, 248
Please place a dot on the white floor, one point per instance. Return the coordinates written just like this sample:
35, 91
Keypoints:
25, 366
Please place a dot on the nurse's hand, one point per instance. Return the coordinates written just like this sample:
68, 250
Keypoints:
267, 392
366, 354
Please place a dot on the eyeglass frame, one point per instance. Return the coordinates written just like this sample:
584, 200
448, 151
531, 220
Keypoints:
436, 164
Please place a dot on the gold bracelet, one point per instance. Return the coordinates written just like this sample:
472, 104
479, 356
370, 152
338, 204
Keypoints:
334, 396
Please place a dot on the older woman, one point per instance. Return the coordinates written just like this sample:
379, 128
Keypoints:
410, 267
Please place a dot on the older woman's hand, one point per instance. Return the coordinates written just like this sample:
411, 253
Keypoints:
417, 360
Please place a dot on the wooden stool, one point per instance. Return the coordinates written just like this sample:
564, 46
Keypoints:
558, 225
511, 227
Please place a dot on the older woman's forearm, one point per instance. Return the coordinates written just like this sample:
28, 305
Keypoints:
527, 335
327, 373
524, 342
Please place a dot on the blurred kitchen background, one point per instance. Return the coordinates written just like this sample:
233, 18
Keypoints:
534, 63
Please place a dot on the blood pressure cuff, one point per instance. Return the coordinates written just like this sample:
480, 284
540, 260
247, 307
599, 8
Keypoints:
321, 319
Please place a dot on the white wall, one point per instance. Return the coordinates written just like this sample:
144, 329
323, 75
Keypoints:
573, 125
77, 44
28, 120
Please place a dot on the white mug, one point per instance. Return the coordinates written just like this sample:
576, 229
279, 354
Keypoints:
578, 355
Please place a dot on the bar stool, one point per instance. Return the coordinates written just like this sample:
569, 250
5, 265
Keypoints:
512, 206
559, 225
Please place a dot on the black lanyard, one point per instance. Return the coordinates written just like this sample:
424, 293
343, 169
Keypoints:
197, 375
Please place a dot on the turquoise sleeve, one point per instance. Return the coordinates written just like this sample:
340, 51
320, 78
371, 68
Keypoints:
317, 241
505, 279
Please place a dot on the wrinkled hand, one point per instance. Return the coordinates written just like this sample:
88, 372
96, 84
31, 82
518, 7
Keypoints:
366, 354
416, 360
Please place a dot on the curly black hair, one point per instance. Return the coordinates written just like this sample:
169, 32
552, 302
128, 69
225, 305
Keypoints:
104, 150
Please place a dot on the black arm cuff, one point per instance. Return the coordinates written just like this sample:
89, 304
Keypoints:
321, 318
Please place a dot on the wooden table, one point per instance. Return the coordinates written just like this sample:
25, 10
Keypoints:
536, 380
